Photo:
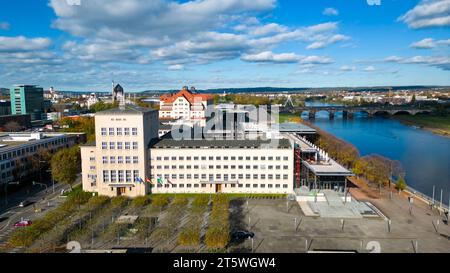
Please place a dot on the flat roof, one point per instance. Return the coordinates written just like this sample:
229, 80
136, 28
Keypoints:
127, 110
295, 127
6, 142
330, 168
168, 142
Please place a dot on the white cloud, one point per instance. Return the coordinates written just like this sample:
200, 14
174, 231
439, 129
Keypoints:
325, 41
176, 67
428, 43
270, 57
428, 13
330, 12
442, 62
369, 69
4, 25
347, 68
21, 43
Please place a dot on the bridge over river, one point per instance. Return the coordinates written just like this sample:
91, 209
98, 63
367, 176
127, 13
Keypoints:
349, 111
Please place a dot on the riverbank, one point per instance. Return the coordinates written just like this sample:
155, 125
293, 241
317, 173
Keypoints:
439, 125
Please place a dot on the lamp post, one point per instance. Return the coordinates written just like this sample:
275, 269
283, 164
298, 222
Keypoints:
40, 184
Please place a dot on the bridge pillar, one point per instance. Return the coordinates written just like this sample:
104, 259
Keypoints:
331, 114
371, 113
312, 114
347, 114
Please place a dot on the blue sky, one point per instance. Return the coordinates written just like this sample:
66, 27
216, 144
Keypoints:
162, 44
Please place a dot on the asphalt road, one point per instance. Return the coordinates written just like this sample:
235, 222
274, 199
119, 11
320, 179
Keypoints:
39, 197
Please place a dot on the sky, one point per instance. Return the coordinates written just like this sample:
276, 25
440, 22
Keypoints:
166, 44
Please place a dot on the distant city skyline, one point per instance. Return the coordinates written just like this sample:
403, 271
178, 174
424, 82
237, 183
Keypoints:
163, 45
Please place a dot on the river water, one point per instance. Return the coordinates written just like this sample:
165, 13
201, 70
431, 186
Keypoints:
424, 155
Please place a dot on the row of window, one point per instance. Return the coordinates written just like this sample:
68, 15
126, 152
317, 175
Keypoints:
262, 186
120, 176
218, 167
255, 158
120, 145
119, 131
31, 149
224, 177
120, 160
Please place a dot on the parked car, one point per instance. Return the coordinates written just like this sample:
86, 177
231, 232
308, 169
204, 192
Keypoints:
23, 223
24, 203
242, 234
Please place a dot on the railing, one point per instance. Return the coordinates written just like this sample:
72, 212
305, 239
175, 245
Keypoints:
429, 200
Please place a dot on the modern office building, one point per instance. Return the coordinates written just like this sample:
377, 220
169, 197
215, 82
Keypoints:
16, 149
118, 160
27, 99
187, 106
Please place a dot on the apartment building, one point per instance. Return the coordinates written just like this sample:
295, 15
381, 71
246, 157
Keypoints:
117, 162
186, 106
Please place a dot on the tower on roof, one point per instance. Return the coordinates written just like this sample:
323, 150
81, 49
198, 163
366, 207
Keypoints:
117, 92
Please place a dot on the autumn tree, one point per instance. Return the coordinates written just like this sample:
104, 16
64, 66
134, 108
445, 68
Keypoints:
66, 165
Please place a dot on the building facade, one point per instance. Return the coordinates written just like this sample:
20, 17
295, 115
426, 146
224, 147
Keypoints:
27, 99
221, 166
129, 158
117, 163
186, 106
16, 149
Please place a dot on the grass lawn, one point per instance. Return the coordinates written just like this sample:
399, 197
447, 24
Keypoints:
437, 124
287, 117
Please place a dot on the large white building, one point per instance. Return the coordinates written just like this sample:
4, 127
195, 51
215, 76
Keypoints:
186, 106
128, 158
118, 160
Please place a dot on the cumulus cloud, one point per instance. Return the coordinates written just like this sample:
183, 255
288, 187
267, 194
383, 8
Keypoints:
176, 67
330, 12
270, 57
4, 25
325, 41
428, 43
428, 13
442, 62
369, 69
347, 68
21, 43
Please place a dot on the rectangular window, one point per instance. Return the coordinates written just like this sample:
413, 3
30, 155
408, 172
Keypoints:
119, 146
285, 176
127, 145
134, 131
103, 130
111, 131
135, 160
119, 131
113, 176
128, 176
104, 146
105, 176
127, 131
285, 158
121, 176
277, 177
120, 159
112, 159
112, 145
135, 145
128, 159
135, 175
105, 160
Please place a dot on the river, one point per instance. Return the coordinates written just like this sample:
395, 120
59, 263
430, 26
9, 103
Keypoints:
424, 155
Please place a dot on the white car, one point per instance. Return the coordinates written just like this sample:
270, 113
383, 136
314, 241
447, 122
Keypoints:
24, 203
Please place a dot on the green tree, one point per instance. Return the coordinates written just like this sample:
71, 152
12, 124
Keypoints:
401, 183
66, 165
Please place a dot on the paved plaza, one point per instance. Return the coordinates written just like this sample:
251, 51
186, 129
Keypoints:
281, 226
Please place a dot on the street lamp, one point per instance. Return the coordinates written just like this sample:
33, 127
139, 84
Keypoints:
53, 181
40, 184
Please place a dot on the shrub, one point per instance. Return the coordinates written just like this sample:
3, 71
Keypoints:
160, 201
140, 201
218, 234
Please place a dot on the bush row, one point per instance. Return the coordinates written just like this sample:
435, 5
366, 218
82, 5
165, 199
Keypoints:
218, 233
